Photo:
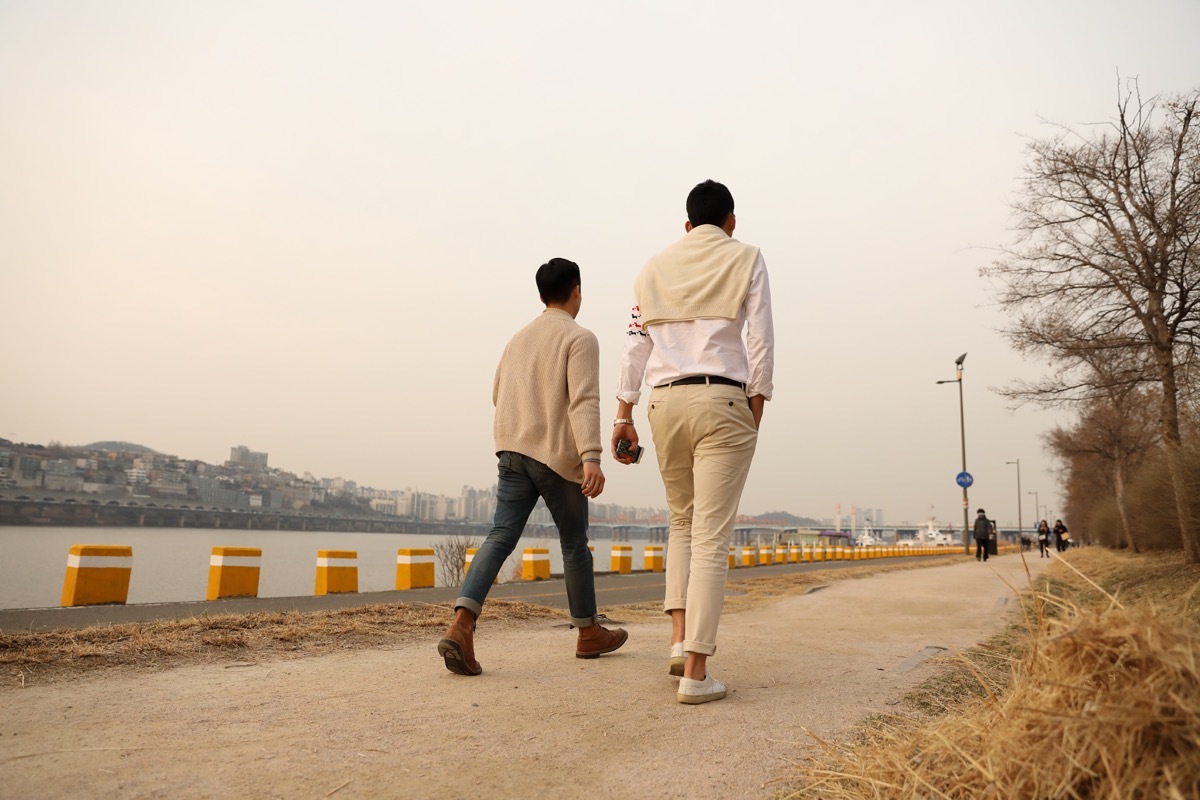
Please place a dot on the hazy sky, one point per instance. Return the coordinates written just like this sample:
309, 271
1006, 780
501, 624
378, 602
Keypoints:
310, 228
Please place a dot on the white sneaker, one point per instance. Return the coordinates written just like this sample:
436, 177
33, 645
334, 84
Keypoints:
678, 659
694, 692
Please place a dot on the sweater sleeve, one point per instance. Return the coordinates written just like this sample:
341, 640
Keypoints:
583, 391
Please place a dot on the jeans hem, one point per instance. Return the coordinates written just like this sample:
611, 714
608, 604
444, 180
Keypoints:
473, 606
584, 622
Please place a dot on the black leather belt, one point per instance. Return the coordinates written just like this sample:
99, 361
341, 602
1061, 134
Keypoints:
695, 379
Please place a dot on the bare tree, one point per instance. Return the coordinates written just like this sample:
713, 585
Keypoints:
1111, 438
1108, 261
451, 555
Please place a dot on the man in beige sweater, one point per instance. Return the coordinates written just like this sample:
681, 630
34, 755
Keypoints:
547, 432
692, 303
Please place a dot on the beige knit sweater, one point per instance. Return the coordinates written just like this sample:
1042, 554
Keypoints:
547, 394
704, 275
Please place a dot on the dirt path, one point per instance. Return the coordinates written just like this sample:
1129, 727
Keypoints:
538, 723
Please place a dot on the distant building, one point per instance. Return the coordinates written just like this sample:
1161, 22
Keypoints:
243, 456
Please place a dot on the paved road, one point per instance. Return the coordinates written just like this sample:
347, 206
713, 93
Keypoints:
611, 590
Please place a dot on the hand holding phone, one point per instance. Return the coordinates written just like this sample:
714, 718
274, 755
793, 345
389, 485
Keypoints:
626, 448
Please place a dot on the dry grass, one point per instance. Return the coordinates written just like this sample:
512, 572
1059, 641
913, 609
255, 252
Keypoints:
41, 657
1098, 697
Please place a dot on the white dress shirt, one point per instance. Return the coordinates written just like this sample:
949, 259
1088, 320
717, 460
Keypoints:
668, 351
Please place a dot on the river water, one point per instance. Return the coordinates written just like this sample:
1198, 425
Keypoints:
171, 564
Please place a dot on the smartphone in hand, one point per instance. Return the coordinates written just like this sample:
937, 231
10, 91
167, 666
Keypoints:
626, 448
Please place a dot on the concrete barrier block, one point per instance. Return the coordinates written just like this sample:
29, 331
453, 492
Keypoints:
622, 558
337, 572
535, 564
414, 568
652, 559
97, 574
233, 572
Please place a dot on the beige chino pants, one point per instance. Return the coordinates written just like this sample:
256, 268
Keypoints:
704, 436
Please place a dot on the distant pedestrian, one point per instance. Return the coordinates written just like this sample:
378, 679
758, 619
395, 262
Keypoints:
547, 434
1043, 537
1062, 537
983, 532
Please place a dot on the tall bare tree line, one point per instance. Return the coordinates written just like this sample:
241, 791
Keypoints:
1104, 283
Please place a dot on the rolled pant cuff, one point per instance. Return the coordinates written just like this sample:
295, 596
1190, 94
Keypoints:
583, 622
470, 605
674, 604
699, 647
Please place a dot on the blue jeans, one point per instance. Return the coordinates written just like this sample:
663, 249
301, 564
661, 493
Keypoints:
522, 481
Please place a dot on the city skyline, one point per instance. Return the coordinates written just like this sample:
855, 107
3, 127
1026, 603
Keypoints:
311, 229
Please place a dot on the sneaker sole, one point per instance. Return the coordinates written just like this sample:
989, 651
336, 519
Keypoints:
676, 668
697, 699
451, 652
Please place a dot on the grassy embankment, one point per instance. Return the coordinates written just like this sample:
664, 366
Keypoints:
1096, 694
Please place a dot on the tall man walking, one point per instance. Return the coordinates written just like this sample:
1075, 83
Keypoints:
983, 532
692, 302
547, 432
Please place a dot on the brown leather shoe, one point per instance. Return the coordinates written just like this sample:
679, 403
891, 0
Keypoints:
458, 651
595, 640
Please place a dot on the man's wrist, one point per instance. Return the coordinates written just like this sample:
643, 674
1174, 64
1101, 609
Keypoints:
623, 421
591, 461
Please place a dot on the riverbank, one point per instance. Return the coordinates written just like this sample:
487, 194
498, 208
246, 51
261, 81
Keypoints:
379, 714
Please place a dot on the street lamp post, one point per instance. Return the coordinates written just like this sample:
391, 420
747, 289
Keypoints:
1020, 524
962, 429
1036, 506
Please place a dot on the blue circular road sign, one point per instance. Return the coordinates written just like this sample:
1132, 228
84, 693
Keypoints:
964, 479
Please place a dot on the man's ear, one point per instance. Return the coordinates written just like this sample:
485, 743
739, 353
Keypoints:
687, 227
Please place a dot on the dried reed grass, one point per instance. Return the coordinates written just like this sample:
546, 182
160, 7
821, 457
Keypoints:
1105, 703
27, 658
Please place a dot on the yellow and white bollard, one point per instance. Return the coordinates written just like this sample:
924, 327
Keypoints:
470, 556
732, 557
337, 572
781, 554
749, 557
97, 574
414, 568
653, 558
622, 559
806, 554
233, 572
765, 557
535, 564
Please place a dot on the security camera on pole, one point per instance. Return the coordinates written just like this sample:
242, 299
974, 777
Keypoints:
964, 478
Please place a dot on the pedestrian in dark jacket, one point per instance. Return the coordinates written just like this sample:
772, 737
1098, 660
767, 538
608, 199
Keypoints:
1062, 538
983, 532
1044, 539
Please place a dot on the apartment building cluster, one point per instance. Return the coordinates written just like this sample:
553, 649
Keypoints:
246, 481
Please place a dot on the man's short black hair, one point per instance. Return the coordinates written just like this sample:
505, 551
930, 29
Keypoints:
556, 279
710, 203
979, 511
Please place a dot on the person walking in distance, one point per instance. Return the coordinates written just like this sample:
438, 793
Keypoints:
1062, 537
692, 303
1043, 537
983, 532
547, 434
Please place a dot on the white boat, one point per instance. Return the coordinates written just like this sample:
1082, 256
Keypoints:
929, 535
867, 537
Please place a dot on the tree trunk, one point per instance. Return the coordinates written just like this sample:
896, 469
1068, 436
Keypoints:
1173, 442
1119, 491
